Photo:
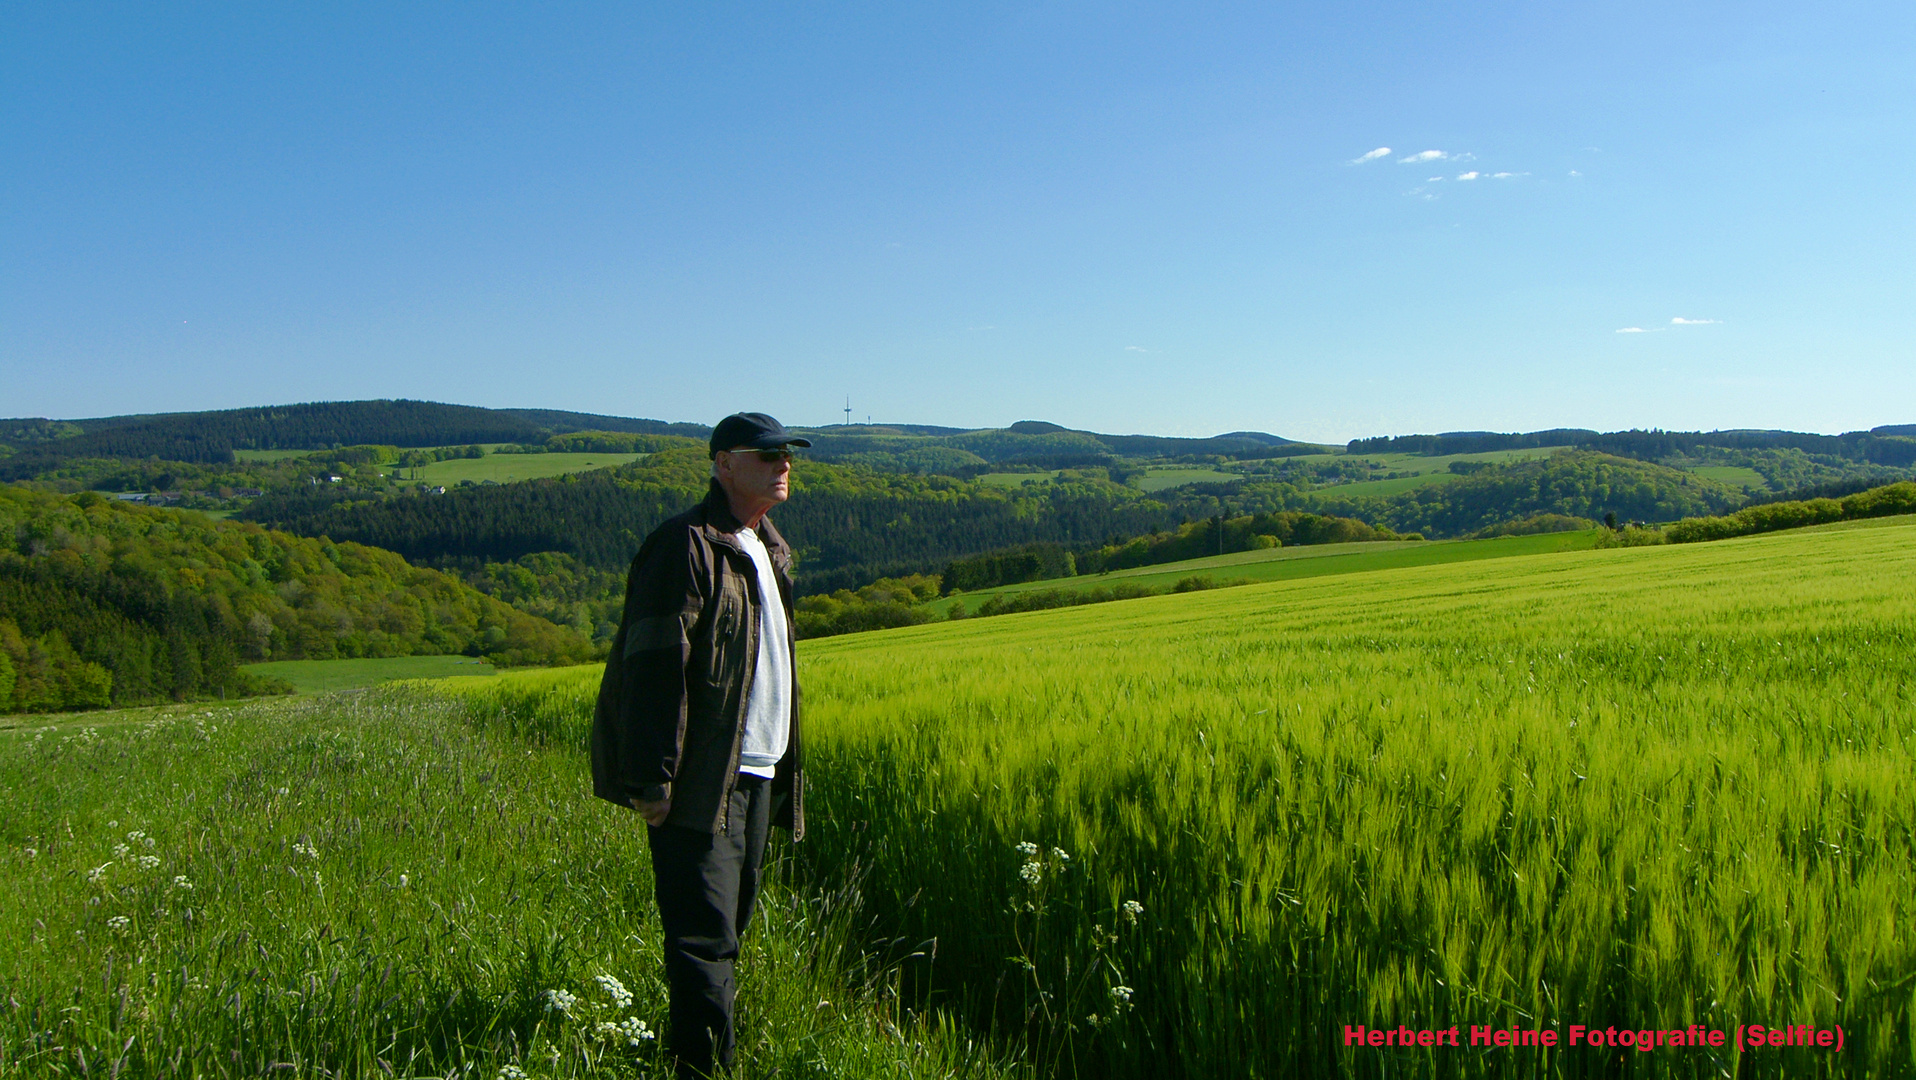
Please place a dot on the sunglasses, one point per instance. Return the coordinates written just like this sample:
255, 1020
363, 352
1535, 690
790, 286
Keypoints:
767, 456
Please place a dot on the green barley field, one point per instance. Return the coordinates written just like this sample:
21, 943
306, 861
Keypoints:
1645, 787
1184, 836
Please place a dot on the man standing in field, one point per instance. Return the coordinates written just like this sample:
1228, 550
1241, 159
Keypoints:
697, 721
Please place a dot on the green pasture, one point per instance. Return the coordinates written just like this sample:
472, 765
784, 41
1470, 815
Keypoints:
505, 468
1163, 479
1380, 488
325, 676
1318, 560
269, 455
282, 455
1016, 479
1157, 479
1426, 470
1734, 477
1440, 463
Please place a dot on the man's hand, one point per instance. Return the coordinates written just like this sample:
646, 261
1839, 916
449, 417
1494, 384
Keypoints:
653, 810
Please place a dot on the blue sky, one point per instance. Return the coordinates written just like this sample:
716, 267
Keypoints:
1165, 218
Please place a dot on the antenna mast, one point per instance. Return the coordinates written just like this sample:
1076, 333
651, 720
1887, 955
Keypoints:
848, 410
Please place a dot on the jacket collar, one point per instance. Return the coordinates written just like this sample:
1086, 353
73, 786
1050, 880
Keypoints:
721, 524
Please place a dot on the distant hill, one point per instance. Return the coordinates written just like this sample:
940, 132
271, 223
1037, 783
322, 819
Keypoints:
213, 436
1890, 445
1030, 443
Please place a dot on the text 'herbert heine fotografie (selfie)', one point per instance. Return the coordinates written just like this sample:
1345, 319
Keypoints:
1752, 1038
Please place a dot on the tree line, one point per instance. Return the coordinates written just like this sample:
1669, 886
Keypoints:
1887, 501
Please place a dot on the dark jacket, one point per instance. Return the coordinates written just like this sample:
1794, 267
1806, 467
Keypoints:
671, 711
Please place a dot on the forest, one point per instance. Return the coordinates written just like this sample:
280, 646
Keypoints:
107, 603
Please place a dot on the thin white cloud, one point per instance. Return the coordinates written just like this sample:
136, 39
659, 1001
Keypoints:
1633, 330
1681, 321
1135, 348
1574, 172
1434, 179
1424, 155
1382, 151
1472, 175
1507, 175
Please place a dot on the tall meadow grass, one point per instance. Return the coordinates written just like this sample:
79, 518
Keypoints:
371, 885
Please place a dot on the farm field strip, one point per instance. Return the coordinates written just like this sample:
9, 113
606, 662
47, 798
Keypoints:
505, 468
1736, 476
326, 676
1163, 479
1315, 560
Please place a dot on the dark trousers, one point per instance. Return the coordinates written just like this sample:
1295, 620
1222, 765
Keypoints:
706, 885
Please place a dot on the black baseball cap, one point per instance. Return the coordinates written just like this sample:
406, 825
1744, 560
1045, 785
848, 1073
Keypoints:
752, 431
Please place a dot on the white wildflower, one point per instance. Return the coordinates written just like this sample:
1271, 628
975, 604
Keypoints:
300, 847
1027, 848
1032, 872
118, 924
632, 1029
1132, 909
149, 862
614, 989
1059, 854
404, 881
121, 851
94, 875
511, 1072
1121, 994
33, 853
560, 1002
180, 882
136, 836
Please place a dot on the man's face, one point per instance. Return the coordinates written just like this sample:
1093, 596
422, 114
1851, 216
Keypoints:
749, 479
